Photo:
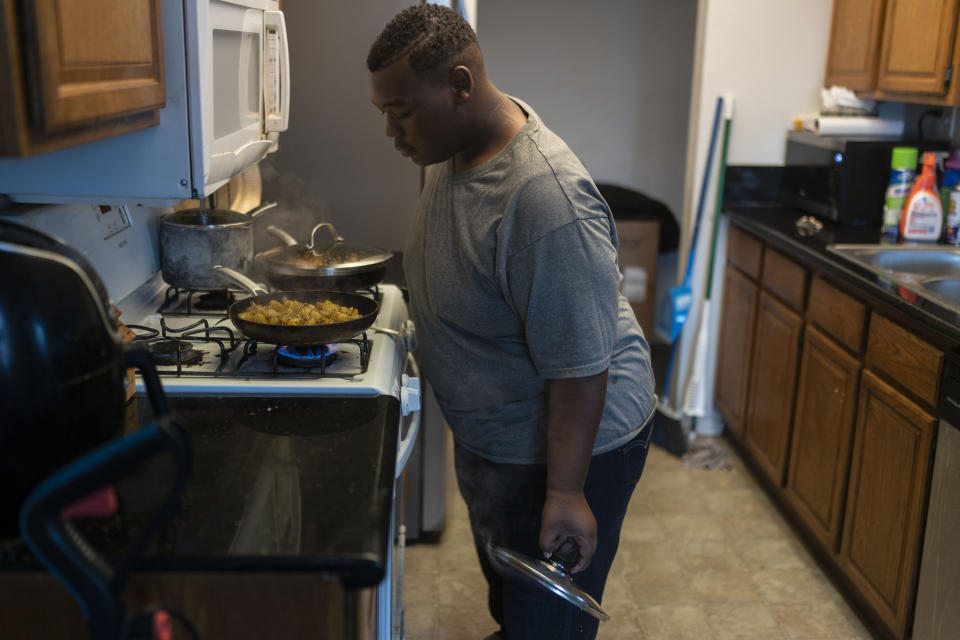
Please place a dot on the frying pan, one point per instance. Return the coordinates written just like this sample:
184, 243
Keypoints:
304, 335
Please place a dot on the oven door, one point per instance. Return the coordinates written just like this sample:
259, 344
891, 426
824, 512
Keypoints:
244, 69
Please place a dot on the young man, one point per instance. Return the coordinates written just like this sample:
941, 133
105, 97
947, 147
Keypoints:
537, 361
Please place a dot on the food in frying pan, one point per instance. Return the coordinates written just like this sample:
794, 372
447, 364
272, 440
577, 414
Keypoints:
293, 313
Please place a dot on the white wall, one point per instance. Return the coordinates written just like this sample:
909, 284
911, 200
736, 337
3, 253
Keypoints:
769, 56
611, 77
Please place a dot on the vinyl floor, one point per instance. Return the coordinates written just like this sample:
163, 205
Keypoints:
704, 555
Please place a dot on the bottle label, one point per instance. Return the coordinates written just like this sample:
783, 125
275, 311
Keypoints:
952, 232
924, 217
893, 207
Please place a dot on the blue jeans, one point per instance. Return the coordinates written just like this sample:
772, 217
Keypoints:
505, 502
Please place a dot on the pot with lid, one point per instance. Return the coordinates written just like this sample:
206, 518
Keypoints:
327, 262
192, 241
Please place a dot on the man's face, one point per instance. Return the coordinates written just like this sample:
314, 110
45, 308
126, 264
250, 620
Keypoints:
419, 112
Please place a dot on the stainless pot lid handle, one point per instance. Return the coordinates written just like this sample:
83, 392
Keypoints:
548, 575
313, 237
282, 235
235, 277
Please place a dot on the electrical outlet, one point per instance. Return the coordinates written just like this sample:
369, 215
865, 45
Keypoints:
112, 220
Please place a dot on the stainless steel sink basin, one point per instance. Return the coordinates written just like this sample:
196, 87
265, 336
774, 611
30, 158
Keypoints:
947, 288
929, 271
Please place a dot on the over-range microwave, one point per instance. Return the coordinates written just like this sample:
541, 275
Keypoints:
227, 74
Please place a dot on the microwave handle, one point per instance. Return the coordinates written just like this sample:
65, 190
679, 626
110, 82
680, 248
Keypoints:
279, 121
224, 166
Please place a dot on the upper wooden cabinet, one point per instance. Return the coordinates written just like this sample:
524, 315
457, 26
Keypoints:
854, 43
917, 46
902, 50
72, 71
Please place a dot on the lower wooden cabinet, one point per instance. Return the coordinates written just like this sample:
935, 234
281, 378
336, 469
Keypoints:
740, 297
886, 498
773, 375
822, 436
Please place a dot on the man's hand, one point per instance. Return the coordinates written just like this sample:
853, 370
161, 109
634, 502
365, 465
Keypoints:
575, 408
567, 515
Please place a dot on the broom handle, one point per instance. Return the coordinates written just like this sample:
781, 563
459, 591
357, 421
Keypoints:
718, 208
703, 191
721, 181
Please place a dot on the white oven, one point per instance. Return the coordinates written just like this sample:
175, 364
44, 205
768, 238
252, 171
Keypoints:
227, 78
213, 373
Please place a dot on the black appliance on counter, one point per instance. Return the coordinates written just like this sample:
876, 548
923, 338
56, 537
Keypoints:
843, 179
62, 363
62, 400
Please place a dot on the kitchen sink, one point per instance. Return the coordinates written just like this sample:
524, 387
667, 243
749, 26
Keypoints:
929, 271
947, 288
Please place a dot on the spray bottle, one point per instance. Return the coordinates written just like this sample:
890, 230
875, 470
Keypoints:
923, 212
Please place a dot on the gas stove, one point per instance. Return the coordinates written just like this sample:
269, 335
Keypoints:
199, 352
292, 451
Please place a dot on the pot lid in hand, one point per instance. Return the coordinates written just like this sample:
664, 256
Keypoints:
550, 574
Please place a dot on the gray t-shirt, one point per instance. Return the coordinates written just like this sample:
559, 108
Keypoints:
513, 279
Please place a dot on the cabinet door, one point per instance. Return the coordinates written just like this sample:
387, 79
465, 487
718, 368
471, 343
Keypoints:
77, 70
822, 435
854, 43
773, 377
885, 502
736, 339
917, 46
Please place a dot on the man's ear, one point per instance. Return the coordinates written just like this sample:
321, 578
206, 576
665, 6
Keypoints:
461, 80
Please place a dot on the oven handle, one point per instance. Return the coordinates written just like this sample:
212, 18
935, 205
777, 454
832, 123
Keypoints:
405, 448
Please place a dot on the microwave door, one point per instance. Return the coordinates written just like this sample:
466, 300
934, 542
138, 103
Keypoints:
235, 140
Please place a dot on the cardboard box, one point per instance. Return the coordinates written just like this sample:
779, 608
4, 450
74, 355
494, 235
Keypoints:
639, 242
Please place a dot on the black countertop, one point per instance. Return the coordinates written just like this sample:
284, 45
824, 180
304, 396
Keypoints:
278, 484
776, 226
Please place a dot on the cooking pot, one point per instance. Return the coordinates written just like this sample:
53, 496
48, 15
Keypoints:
192, 241
62, 366
327, 262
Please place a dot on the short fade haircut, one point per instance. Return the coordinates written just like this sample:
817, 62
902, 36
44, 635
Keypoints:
432, 35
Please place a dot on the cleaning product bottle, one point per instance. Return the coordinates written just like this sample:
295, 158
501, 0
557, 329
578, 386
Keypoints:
951, 177
951, 229
922, 216
903, 163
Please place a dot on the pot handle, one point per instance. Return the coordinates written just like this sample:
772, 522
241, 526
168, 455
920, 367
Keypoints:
238, 278
284, 237
264, 207
96, 585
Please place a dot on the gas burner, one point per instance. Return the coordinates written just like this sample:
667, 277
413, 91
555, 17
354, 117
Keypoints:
305, 357
214, 300
165, 352
189, 302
